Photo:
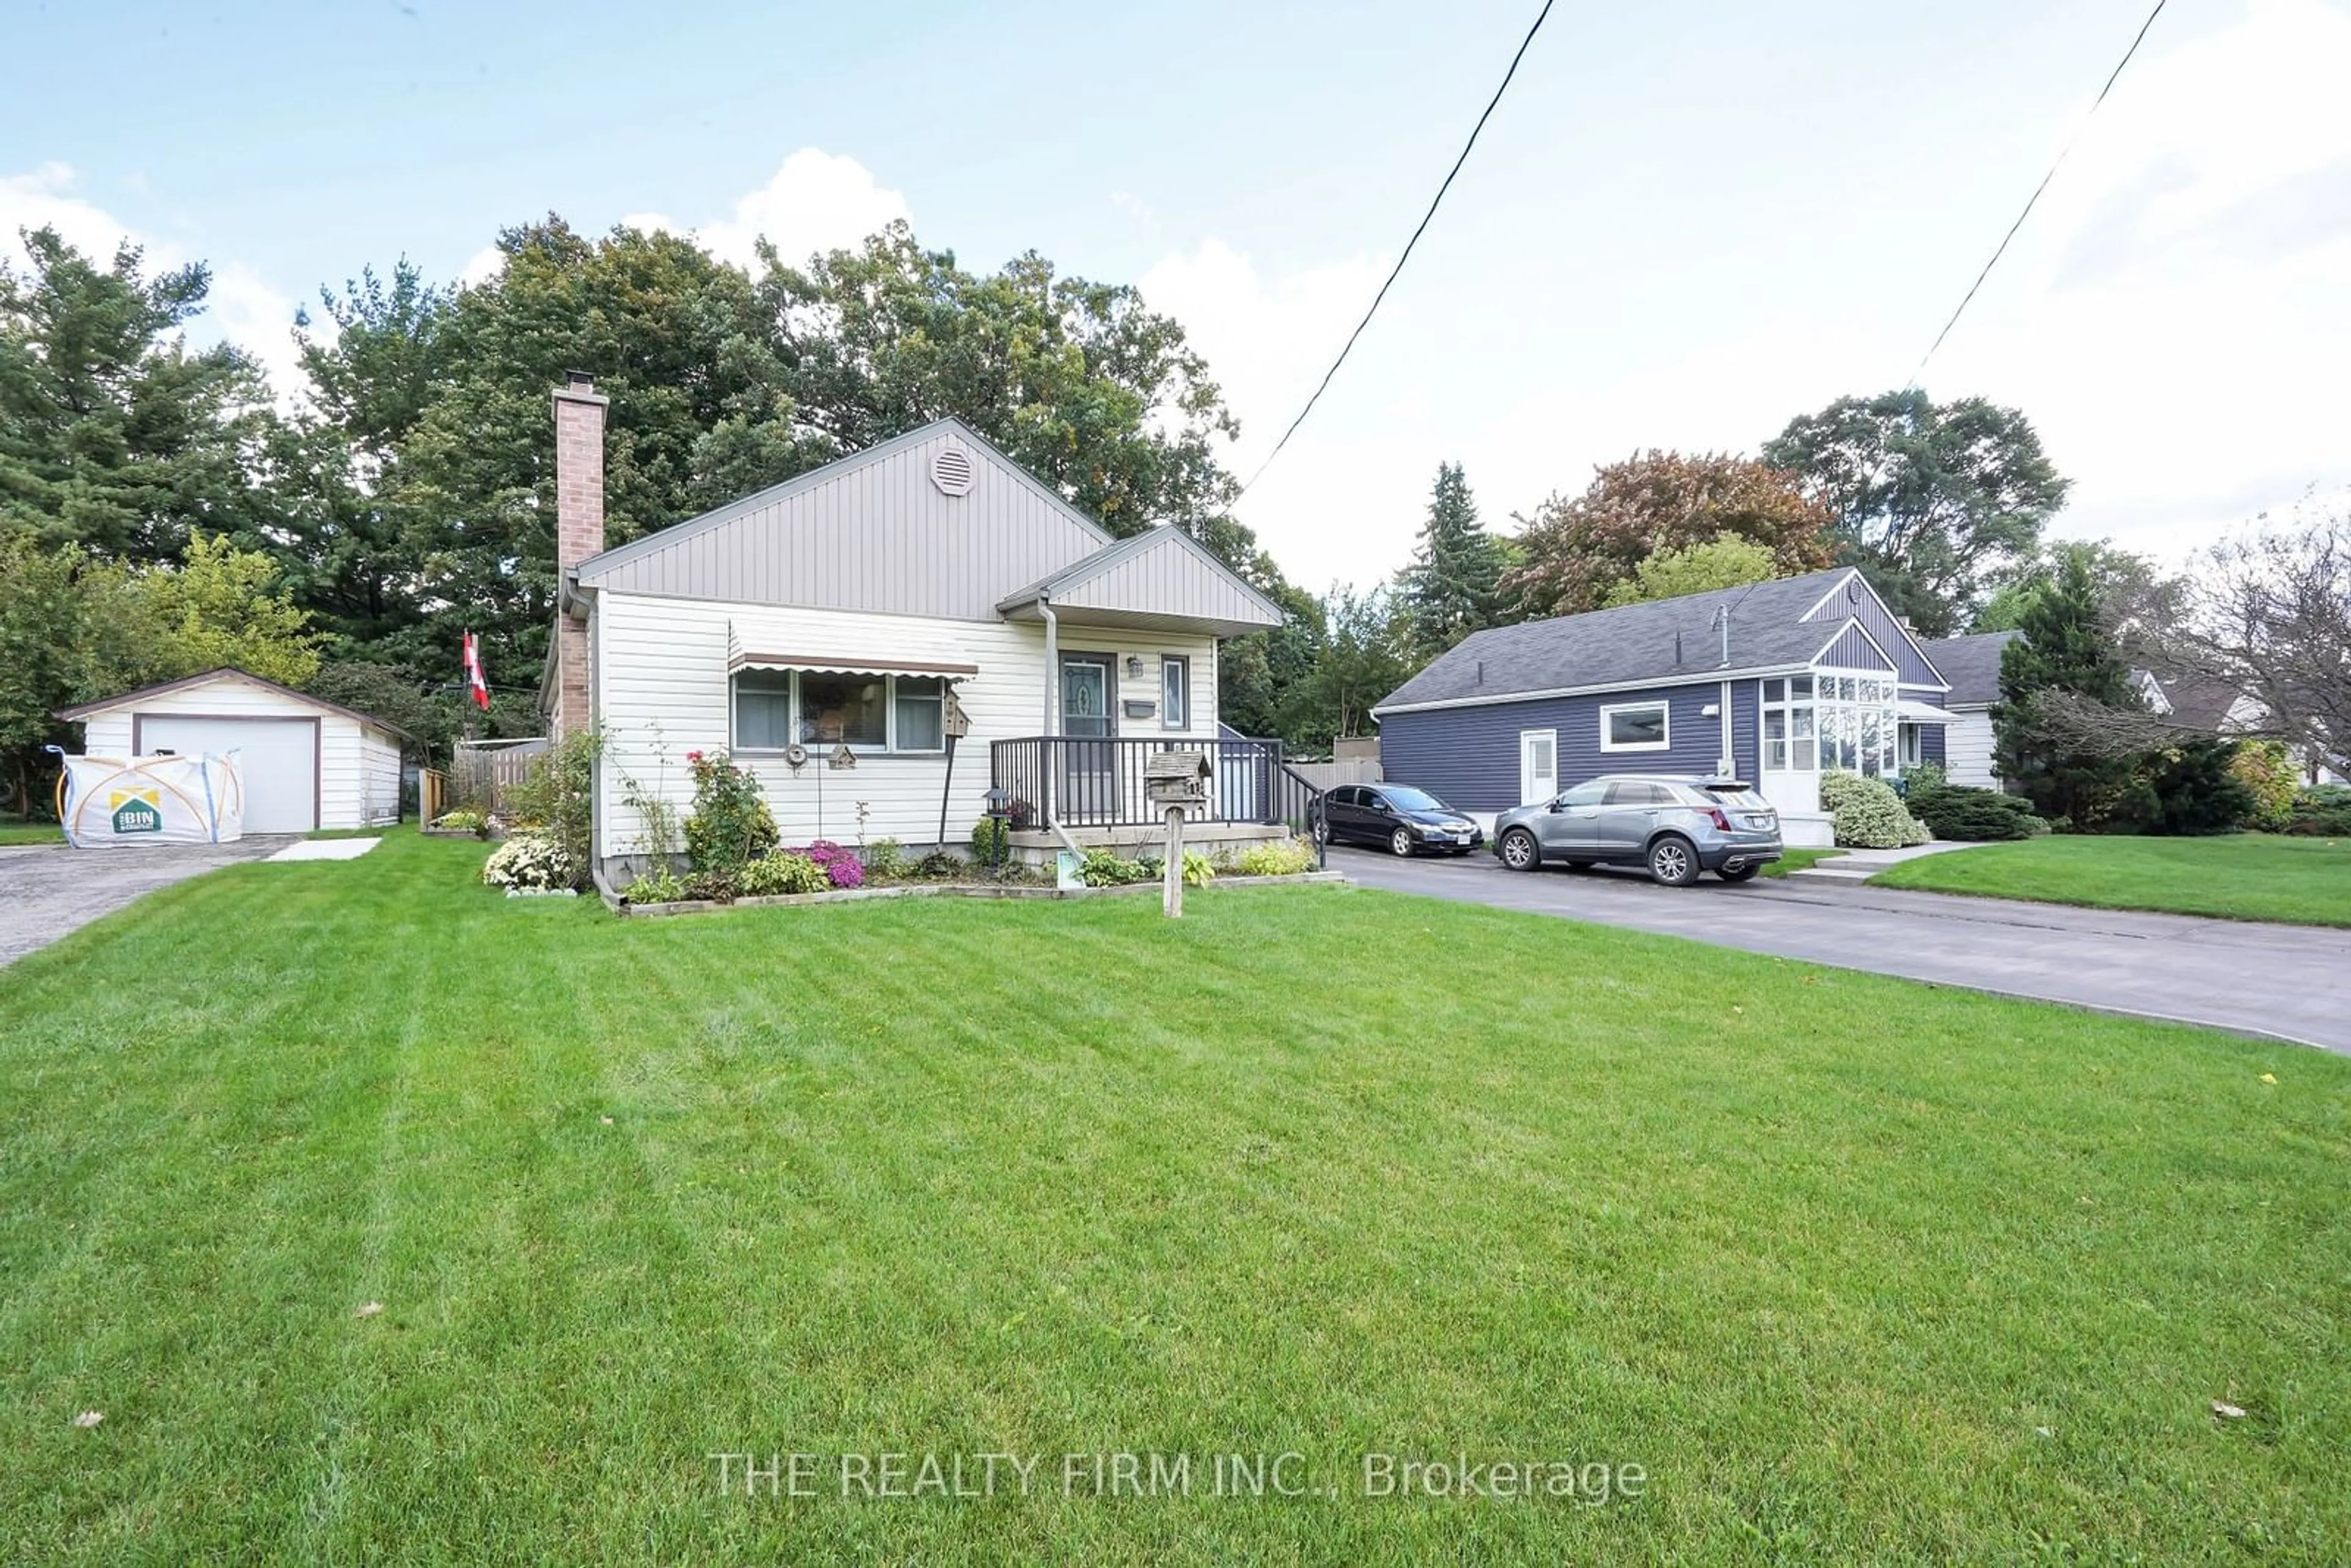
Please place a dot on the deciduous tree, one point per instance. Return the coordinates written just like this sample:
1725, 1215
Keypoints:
1575, 552
1724, 561
1932, 500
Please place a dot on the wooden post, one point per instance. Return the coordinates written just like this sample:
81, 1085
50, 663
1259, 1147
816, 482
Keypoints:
1172, 894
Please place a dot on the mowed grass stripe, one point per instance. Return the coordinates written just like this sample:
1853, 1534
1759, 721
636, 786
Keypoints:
1313, 1168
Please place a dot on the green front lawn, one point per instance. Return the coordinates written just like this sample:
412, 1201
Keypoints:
13, 832
1851, 1268
2242, 876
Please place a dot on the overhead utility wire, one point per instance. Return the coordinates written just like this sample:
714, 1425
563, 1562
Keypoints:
2027, 213
1416, 233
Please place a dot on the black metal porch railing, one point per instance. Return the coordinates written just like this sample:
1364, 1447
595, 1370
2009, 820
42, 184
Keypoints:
1085, 782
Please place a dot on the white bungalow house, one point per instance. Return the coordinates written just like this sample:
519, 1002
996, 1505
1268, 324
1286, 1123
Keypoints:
882, 640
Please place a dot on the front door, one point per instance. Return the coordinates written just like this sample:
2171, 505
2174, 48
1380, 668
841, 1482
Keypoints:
1538, 765
1787, 752
1088, 773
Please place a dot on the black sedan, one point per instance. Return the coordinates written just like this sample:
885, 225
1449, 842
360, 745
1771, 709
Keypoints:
1397, 817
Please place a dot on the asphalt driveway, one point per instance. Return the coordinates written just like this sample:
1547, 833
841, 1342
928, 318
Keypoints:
48, 890
2289, 982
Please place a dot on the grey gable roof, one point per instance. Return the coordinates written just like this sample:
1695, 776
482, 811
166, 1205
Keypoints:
872, 532
1235, 599
1971, 665
604, 562
1632, 645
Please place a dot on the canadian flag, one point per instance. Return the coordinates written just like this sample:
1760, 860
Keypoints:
474, 682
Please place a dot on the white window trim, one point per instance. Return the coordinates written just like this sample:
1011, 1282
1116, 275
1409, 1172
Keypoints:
890, 746
1610, 710
1180, 662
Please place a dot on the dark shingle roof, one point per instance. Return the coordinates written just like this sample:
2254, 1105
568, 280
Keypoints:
1971, 665
2199, 703
1611, 647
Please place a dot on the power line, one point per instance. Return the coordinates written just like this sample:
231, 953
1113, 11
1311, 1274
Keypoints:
2053, 167
1416, 233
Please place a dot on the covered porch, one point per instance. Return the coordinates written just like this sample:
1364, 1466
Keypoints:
1090, 790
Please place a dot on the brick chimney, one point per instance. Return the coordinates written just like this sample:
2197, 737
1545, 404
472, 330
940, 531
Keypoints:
579, 534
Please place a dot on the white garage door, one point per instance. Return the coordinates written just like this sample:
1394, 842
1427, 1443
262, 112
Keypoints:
278, 758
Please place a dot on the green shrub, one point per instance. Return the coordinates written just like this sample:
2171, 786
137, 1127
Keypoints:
885, 860
1925, 779
939, 865
991, 841
2197, 790
558, 798
662, 886
1198, 870
1868, 815
1973, 816
462, 822
2268, 773
530, 862
730, 826
712, 886
1285, 857
784, 871
1105, 868
2321, 811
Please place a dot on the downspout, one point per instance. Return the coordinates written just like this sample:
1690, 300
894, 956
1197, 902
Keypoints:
1052, 714
1729, 747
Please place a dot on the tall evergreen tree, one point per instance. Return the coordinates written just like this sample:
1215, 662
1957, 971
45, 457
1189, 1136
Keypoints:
1448, 590
2066, 647
114, 437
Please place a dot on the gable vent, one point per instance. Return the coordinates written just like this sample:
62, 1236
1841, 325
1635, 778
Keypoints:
952, 470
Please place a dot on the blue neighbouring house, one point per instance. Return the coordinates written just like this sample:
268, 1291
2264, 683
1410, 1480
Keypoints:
1772, 681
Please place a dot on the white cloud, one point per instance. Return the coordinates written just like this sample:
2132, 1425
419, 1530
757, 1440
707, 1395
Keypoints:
815, 201
483, 265
2173, 316
244, 308
2172, 319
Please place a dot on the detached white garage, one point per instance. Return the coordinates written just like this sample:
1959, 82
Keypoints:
306, 763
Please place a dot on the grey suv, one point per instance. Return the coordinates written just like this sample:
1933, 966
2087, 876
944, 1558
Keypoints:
1677, 825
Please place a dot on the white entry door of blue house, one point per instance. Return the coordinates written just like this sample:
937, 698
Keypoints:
1538, 765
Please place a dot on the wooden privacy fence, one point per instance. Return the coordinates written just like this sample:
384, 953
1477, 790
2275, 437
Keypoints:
1346, 770
431, 795
483, 771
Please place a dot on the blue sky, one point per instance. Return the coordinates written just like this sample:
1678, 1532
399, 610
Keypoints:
1684, 225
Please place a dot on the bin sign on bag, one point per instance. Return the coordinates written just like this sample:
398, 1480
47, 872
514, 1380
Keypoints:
165, 799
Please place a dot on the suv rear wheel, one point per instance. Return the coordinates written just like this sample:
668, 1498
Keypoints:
1744, 874
1673, 861
1518, 850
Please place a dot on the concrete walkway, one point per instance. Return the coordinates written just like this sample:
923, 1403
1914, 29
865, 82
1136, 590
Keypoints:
1860, 865
2284, 982
46, 890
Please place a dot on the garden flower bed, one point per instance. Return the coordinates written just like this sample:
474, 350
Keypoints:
620, 903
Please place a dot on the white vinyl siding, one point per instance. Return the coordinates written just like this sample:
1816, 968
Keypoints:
664, 690
1967, 750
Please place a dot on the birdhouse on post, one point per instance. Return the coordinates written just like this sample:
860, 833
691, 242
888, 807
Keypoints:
1175, 782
